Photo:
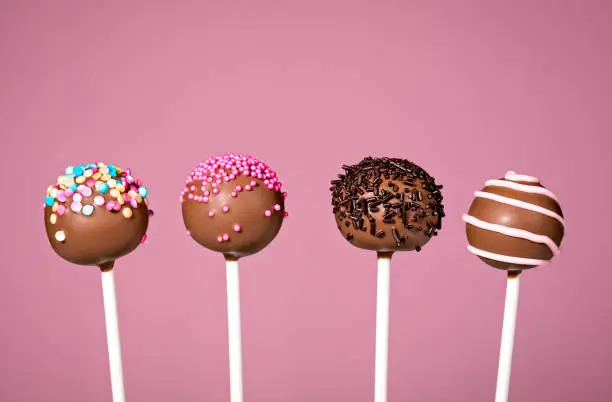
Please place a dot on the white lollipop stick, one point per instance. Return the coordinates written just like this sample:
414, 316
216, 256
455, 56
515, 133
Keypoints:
382, 327
507, 341
234, 330
112, 334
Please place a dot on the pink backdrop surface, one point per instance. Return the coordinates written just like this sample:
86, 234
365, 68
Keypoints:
465, 89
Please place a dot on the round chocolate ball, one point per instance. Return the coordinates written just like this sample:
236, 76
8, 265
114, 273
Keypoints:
514, 223
387, 205
96, 213
233, 204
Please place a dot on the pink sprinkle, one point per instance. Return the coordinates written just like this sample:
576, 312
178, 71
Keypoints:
238, 188
90, 182
286, 214
86, 191
253, 183
61, 196
188, 233
127, 197
190, 196
76, 206
206, 193
110, 205
220, 239
271, 186
144, 238
193, 188
116, 206
225, 208
68, 193
277, 207
205, 200
61, 210
211, 213
236, 228
247, 187
234, 194
77, 198
268, 213
134, 203
99, 200
285, 194
226, 237
215, 190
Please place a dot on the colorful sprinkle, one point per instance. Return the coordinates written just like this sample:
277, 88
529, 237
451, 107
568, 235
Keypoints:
77, 197
49, 200
143, 192
220, 239
268, 213
225, 237
88, 210
211, 213
236, 228
99, 200
78, 171
225, 208
60, 236
126, 212
53, 219
144, 238
76, 207
61, 210
277, 207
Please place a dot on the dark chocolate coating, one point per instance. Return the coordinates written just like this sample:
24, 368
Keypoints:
100, 238
499, 213
387, 205
246, 210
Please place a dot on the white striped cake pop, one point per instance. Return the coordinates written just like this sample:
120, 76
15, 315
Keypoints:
514, 223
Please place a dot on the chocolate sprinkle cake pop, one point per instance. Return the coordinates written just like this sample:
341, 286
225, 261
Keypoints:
233, 204
387, 205
514, 223
96, 213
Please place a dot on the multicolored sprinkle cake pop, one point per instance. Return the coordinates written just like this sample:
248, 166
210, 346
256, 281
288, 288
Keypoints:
96, 213
233, 204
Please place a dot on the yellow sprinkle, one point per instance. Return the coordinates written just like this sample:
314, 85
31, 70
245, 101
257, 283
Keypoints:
105, 177
138, 198
55, 206
120, 199
60, 235
120, 188
88, 173
49, 189
118, 169
132, 194
53, 219
104, 170
53, 192
114, 193
127, 212
112, 183
96, 176
80, 180
69, 181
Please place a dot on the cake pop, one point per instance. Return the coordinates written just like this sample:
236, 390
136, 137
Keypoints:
233, 204
386, 205
94, 214
514, 223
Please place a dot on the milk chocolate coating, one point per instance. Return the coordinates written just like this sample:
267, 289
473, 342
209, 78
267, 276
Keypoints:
511, 216
246, 210
387, 205
100, 238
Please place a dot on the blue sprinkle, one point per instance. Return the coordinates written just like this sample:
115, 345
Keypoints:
78, 171
87, 209
91, 166
49, 201
103, 187
143, 191
73, 187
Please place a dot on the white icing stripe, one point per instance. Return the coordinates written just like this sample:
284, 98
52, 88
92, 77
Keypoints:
505, 258
520, 204
525, 188
521, 177
513, 232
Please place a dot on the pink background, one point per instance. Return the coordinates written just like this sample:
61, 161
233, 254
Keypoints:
466, 89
